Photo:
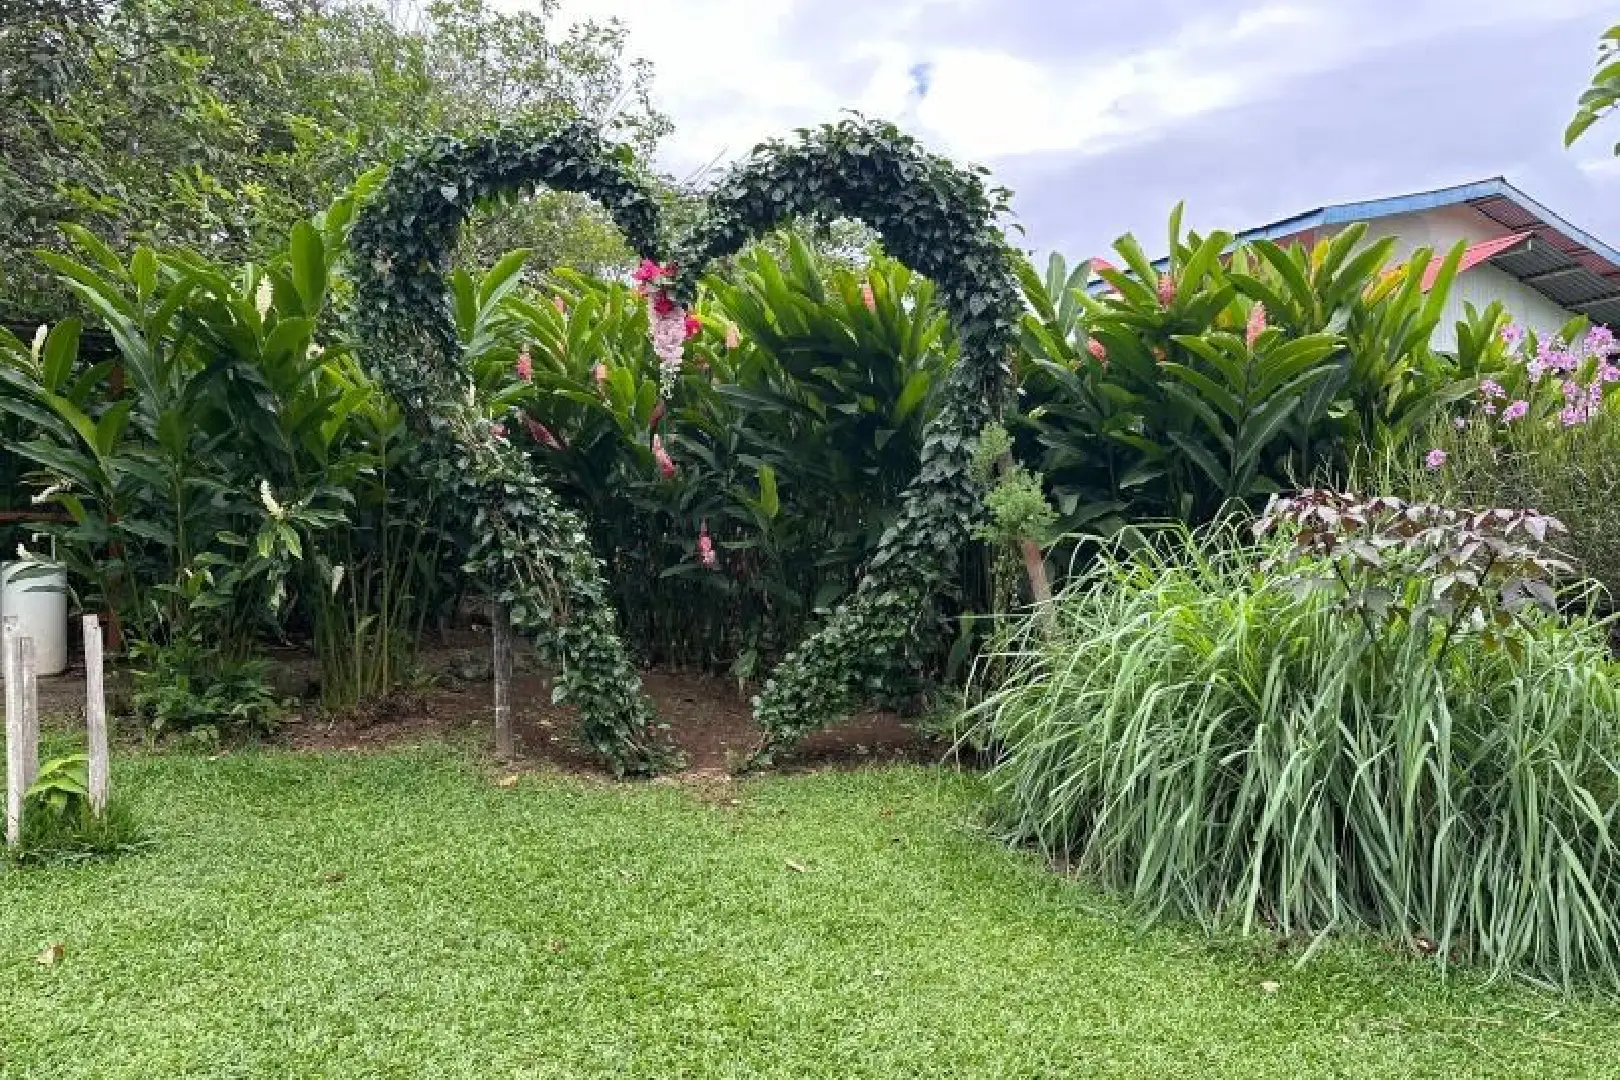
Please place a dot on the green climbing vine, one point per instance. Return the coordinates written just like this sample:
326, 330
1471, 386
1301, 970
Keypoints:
531, 551
534, 554
941, 221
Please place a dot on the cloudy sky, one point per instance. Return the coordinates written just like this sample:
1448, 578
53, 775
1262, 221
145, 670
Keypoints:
1100, 116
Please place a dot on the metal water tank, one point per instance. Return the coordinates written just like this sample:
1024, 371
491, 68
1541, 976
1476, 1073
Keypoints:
36, 593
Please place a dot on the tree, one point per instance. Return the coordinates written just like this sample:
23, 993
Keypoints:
1603, 94
217, 124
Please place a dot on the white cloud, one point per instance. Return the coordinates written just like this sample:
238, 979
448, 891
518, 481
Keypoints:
730, 75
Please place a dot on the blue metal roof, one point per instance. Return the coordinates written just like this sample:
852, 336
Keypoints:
1479, 190
1566, 264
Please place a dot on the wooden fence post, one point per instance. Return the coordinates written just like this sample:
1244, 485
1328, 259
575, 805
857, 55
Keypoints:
501, 627
14, 733
95, 716
29, 668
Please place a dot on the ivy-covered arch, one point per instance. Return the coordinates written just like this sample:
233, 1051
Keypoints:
531, 550
936, 218
939, 220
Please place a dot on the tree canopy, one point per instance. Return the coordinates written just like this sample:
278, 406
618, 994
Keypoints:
217, 124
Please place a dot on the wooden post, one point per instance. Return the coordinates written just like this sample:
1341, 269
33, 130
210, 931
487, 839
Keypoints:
501, 627
14, 734
95, 716
27, 665
1040, 587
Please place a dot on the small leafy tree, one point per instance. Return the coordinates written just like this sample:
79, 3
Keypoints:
1603, 94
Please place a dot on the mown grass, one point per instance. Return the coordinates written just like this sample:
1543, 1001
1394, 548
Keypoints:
402, 915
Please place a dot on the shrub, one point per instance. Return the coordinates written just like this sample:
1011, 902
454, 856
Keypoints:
1545, 432
1205, 728
188, 688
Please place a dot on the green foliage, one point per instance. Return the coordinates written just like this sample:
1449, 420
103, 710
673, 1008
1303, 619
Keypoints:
931, 216
219, 124
1175, 393
234, 473
1205, 736
58, 824
187, 688
531, 552
940, 221
1603, 93
795, 426
1571, 473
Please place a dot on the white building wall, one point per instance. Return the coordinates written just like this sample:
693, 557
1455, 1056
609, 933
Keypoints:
1439, 229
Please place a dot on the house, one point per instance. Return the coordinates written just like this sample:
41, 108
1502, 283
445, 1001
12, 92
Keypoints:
1543, 269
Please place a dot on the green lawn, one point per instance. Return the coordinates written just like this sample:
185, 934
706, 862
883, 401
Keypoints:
403, 916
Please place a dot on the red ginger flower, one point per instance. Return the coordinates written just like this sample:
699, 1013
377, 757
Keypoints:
1167, 290
1096, 349
525, 365
666, 464
694, 326
868, 297
705, 547
542, 434
649, 271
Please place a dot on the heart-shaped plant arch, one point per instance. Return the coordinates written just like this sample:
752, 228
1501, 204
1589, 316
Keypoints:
931, 215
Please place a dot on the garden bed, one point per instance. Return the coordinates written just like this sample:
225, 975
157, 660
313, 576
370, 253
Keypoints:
709, 718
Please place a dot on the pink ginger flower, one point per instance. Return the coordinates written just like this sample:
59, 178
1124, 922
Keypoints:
1257, 324
1572, 415
1491, 390
1512, 335
666, 464
1515, 411
525, 365
498, 430
705, 547
1434, 458
868, 297
1535, 369
1097, 350
649, 271
1167, 290
542, 434
1460, 423
661, 304
692, 326
1608, 372
599, 373
733, 338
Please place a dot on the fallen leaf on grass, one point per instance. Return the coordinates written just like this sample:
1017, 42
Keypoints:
52, 955
1270, 986
796, 867
333, 878
507, 781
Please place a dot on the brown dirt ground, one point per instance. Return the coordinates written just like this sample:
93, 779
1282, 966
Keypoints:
708, 718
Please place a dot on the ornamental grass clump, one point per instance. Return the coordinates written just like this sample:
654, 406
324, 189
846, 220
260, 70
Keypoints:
1369, 721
